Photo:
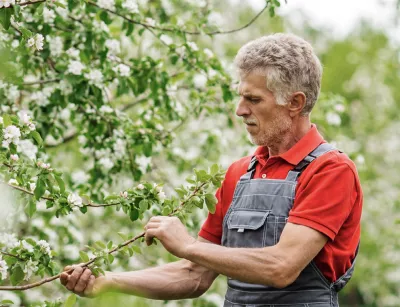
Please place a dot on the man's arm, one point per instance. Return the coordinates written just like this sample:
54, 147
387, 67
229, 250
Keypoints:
177, 280
276, 266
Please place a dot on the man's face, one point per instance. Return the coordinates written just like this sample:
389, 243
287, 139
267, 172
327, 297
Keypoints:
266, 122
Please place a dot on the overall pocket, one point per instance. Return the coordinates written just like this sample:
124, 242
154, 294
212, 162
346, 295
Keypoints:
246, 228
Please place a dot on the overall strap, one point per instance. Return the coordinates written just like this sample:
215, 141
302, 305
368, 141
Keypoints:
250, 169
299, 168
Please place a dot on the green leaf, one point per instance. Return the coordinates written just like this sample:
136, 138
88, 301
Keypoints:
59, 4
134, 214
71, 300
110, 258
25, 32
7, 120
202, 175
60, 182
143, 205
30, 208
36, 136
6, 302
5, 17
109, 245
40, 188
214, 169
100, 244
17, 11
136, 249
123, 236
17, 275
83, 209
84, 256
211, 201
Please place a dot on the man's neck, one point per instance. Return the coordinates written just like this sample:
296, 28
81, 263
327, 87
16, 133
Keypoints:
289, 139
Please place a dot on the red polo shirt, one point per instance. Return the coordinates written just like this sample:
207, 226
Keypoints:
328, 199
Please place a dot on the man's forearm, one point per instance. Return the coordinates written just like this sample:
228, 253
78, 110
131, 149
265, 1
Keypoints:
252, 265
176, 280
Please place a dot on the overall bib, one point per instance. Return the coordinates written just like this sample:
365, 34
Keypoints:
255, 219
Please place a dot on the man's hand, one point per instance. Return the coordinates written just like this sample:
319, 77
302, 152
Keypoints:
82, 282
171, 233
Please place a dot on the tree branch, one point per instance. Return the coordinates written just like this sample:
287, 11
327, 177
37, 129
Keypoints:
41, 82
31, 2
180, 30
46, 280
11, 255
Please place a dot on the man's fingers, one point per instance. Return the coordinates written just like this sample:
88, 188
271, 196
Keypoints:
64, 278
150, 225
83, 281
89, 288
67, 268
74, 277
149, 235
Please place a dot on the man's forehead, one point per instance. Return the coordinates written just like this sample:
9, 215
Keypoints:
252, 83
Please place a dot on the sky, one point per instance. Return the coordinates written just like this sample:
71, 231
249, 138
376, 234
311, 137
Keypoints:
340, 16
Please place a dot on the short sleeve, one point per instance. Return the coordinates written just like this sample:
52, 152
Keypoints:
212, 227
325, 199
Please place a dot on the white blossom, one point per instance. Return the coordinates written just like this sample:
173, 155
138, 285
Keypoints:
123, 70
131, 6
36, 41
65, 114
106, 4
6, 3
73, 53
113, 46
44, 247
11, 135
200, 81
1, 120
119, 148
339, 108
30, 268
32, 186
212, 73
42, 97
333, 119
13, 93
150, 21
140, 186
43, 165
95, 77
48, 15
208, 53
56, 45
26, 246
14, 157
75, 67
15, 43
106, 109
143, 162
74, 200
161, 196
360, 159
79, 177
3, 264
124, 194
166, 39
193, 46
27, 148
13, 182
106, 163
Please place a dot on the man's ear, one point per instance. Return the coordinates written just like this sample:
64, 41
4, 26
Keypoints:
296, 103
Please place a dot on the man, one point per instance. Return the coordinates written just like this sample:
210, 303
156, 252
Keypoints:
288, 218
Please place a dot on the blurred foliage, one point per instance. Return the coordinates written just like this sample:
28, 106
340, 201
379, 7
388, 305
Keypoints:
357, 110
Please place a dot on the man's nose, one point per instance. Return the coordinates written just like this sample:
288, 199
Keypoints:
242, 109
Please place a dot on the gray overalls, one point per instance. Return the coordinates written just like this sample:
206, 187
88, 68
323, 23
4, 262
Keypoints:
256, 218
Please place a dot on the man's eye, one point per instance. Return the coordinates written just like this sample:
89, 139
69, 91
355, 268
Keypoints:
254, 100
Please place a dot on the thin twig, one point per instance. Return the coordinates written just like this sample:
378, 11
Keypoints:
41, 82
11, 255
46, 280
180, 30
31, 2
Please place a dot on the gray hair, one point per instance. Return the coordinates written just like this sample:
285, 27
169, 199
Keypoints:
289, 64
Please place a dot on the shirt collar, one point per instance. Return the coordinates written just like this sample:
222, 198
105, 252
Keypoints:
298, 151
